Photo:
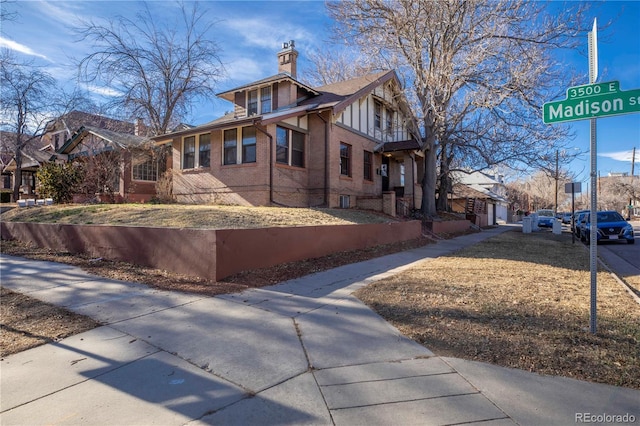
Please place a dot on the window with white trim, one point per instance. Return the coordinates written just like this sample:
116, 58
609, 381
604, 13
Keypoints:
201, 145
377, 115
259, 101
248, 144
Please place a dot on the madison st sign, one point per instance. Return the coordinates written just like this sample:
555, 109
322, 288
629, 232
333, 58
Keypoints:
592, 101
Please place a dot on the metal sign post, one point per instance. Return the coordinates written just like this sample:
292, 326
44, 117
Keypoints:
588, 102
593, 216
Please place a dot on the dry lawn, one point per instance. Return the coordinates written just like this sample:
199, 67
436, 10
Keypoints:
191, 216
517, 300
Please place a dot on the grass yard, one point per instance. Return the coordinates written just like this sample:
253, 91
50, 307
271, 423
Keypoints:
517, 300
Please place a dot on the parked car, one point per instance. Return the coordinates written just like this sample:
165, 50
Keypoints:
610, 225
566, 217
545, 218
577, 223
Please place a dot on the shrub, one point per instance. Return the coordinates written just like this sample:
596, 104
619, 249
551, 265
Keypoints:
59, 181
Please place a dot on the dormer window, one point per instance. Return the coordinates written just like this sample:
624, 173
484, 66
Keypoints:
259, 101
377, 115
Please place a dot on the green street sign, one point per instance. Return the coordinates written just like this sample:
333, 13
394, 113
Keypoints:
592, 101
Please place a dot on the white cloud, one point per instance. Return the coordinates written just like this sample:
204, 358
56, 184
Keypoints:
264, 34
621, 155
102, 91
21, 48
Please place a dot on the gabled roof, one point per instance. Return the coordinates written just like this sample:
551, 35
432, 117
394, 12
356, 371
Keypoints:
76, 119
230, 94
342, 94
119, 140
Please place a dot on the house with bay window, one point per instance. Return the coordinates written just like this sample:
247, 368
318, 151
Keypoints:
285, 143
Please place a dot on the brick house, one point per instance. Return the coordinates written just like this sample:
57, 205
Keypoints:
79, 135
285, 143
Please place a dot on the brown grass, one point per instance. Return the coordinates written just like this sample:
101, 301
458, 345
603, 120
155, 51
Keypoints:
517, 300
191, 216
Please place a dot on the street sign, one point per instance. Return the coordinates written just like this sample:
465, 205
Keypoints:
573, 187
592, 101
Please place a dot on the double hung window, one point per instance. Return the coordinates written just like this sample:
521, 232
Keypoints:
230, 146
368, 165
345, 159
290, 147
189, 152
248, 144
204, 141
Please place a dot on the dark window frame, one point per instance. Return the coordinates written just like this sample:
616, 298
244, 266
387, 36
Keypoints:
368, 165
249, 143
230, 147
189, 152
204, 150
345, 159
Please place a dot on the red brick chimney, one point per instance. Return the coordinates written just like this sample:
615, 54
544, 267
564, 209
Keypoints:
287, 59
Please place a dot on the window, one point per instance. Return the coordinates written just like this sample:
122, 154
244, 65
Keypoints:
289, 147
248, 144
147, 170
230, 146
252, 102
205, 150
389, 121
189, 152
282, 145
368, 165
377, 115
265, 100
345, 159
297, 149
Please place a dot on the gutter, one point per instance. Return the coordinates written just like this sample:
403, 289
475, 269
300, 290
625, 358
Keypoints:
258, 127
326, 158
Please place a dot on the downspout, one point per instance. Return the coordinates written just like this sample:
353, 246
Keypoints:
326, 159
257, 126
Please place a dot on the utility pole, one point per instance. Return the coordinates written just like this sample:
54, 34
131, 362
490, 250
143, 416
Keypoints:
633, 162
555, 212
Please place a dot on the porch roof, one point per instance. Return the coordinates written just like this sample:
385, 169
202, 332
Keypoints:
407, 145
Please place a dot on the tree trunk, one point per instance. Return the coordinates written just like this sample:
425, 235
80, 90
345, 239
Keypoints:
17, 175
428, 207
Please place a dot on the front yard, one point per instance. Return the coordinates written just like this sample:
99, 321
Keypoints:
517, 300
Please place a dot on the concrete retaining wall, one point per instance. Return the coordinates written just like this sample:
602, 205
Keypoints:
209, 253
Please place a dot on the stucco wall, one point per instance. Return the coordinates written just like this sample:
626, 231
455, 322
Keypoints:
213, 254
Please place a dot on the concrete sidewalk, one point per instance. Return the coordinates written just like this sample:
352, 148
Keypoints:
301, 352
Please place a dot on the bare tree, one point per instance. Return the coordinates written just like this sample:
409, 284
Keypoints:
27, 104
479, 73
331, 65
156, 71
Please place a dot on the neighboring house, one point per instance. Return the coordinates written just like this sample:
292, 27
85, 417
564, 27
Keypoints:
285, 143
131, 170
490, 190
83, 135
33, 156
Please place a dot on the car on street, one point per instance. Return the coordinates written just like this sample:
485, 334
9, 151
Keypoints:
546, 218
577, 223
566, 217
611, 226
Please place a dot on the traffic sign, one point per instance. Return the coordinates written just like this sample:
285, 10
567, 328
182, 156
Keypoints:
592, 101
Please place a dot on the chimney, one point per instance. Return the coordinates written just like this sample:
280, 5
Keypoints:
287, 59
137, 127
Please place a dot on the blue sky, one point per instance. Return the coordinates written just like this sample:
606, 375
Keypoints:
250, 34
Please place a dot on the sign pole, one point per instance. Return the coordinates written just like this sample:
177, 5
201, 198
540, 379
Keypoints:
593, 216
